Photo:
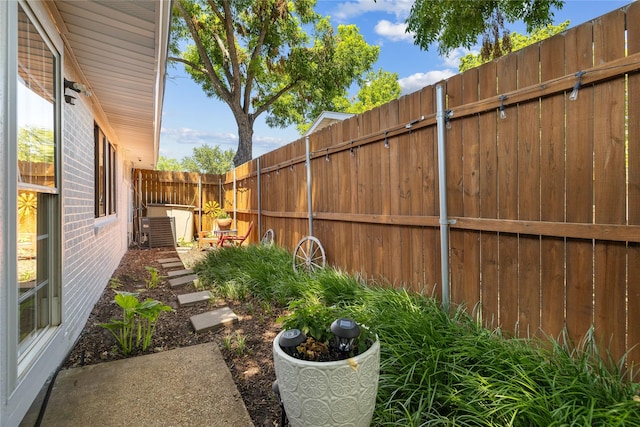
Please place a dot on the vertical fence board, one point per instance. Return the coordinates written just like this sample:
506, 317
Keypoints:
508, 197
579, 199
528, 195
610, 172
415, 164
430, 203
488, 198
454, 153
552, 189
383, 190
633, 258
403, 194
368, 166
391, 234
351, 161
470, 292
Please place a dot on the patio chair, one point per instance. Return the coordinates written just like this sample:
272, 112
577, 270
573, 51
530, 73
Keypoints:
209, 237
235, 240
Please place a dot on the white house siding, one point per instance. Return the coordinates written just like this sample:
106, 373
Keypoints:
91, 248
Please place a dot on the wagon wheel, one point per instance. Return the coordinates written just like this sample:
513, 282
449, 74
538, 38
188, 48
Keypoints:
267, 239
309, 255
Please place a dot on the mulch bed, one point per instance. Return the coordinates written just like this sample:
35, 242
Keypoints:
250, 365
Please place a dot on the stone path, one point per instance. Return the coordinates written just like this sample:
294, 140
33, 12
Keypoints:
207, 320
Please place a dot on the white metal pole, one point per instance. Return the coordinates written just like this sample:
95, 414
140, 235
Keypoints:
442, 179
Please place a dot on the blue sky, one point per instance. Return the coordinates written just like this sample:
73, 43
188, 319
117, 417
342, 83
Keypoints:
190, 119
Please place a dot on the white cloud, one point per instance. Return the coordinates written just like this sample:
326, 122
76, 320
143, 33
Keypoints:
395, 32
419, 80
187, 136
453, 59
179, 142
347, 10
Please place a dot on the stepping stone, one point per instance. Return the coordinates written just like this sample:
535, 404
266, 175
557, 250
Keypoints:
182, 280
165, 260
212, 320
174, 273
194, 298
173, 264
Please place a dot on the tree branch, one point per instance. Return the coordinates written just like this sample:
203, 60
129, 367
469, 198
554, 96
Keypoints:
224, 93
275, 97
250, 73
227, 19
189, 63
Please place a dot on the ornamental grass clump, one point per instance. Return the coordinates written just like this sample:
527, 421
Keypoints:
437, 367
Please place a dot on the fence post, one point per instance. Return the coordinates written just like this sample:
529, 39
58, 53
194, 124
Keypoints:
442, 178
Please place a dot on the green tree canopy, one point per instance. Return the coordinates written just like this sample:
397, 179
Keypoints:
205, 159
459, 23
36, 144
168, 164
376, 88
518, 41
256, 56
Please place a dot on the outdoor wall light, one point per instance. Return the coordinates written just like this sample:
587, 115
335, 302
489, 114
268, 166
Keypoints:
346, 332
76, 87
574, 93
290, 339
503, 114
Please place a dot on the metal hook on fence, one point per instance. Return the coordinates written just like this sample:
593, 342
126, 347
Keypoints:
447, 118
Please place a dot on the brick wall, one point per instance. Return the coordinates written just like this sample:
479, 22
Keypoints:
92, 248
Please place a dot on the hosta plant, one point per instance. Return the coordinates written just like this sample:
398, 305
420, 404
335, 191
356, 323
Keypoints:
138, 323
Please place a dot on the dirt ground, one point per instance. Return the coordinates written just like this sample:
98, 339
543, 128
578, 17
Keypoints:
246, 346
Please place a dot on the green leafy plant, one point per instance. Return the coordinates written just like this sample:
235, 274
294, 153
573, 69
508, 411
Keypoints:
154, 278
136, 327
311, 317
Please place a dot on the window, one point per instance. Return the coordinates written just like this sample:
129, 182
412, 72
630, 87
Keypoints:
38, 210
105, 175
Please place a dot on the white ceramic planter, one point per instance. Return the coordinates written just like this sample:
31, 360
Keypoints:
340, 393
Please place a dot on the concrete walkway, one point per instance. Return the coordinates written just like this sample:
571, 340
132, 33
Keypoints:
189, 386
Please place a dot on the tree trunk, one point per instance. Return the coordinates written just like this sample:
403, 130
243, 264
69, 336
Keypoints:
245, 142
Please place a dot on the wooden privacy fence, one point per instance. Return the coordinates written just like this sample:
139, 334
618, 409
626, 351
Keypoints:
183, 189
542, 192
